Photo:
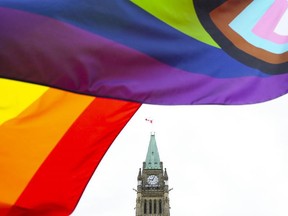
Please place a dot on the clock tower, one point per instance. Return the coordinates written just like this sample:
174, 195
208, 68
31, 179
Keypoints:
152, 188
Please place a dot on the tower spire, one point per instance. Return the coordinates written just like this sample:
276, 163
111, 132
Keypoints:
152, 158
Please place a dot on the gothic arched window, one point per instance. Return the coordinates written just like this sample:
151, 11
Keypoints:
145, 207
155, 207
150, 206
160, 206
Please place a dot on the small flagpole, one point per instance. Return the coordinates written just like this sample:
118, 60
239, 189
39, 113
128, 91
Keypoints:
151, 121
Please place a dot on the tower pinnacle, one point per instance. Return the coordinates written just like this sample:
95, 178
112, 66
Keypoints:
152, 158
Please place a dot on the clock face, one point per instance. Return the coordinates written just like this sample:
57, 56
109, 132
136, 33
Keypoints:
152, 179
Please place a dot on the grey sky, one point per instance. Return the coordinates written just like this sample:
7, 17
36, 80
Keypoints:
221, 161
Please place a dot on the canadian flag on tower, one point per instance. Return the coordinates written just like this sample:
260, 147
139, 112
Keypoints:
149, 120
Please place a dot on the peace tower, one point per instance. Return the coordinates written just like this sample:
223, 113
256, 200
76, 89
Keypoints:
152, 189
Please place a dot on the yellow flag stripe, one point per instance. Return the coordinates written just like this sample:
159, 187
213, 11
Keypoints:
17, 96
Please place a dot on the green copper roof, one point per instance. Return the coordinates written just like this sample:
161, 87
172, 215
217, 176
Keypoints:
152, 157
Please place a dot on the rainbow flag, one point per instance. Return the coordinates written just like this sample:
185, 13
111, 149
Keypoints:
53, 133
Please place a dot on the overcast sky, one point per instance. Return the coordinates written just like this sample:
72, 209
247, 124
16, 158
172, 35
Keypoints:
221, 161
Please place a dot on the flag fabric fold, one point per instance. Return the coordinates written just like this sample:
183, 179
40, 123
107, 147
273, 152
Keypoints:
140, 51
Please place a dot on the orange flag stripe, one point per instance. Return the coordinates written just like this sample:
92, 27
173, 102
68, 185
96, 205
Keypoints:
25, 142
